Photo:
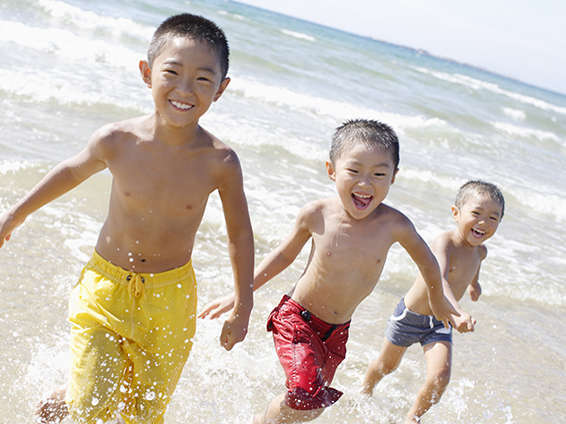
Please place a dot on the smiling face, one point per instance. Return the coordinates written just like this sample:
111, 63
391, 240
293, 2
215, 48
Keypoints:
477, 218
363, 175
185, 78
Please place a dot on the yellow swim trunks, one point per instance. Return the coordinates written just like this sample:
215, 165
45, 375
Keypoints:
131, 335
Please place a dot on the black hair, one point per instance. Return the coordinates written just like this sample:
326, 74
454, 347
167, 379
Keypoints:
194, 27
482, 188
371, 132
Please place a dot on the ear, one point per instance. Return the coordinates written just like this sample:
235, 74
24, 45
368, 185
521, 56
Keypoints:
331, 171
455, 211
145, 71
394, 175
222, 87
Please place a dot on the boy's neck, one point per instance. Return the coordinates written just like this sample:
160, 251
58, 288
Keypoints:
460, 241
173, 136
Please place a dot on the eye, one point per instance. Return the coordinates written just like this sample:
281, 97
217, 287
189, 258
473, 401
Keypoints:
170, 71
203, 79
380, 174
351, 170
475, 213
494, 218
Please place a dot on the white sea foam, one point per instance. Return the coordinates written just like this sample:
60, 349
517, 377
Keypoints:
543, 200
431, 176
338, 110
232, 15
67, 45
525, 131
298, 35
49, 87
517, 115
484, 85
9, 166
90, 20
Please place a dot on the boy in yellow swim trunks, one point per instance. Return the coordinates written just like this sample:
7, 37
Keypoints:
133, 309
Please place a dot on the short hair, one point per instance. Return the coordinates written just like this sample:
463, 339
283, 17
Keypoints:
194, 27
370, 132
479, 187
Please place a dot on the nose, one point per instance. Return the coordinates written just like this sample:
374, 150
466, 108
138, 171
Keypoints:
186, 85
364, 180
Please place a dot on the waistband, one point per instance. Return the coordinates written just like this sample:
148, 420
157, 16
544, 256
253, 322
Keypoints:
402, 312
322, 325
149, 279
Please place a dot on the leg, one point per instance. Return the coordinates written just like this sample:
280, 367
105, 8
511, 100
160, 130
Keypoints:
53, 409
438, 357
387, 361
97, 374
279, 413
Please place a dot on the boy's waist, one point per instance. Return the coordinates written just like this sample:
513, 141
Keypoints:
291, 304
150, 279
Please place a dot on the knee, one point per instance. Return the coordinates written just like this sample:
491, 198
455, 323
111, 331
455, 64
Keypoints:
385, 367
438, 382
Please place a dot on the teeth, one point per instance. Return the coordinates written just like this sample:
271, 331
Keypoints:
481, 233
363, 196
182, 106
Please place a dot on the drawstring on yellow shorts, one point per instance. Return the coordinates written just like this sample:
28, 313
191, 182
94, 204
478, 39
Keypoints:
136, 284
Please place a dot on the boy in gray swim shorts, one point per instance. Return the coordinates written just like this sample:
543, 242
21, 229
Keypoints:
406, 327
478, 209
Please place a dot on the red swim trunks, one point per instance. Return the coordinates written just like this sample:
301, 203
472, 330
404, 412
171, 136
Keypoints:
309, 350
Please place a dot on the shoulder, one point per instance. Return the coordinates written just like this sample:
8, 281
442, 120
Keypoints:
108, 138
314, 212
224, 159
482, 252
394, 218
442, 241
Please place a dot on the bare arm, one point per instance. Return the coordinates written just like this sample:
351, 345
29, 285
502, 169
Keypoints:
240, 248
285, 253
275, 262
461, 320
475, 288
61, 179
428, 267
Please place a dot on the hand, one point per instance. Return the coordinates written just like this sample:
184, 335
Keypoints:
7, 225
234, 329
52, 409
463, 322
443, 310
475, 292
217, 307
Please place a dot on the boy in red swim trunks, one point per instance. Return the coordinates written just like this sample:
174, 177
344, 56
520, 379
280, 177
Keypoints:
351, 235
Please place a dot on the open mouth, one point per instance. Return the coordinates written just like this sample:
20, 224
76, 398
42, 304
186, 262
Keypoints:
180, 105
478, 233
361, 201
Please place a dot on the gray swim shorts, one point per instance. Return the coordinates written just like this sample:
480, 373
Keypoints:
406, 327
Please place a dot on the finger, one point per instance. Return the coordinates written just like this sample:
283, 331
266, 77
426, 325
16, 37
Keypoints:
203, 314
207, 310
228, 344
216, 314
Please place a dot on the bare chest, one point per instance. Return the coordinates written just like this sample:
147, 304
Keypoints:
348, 247
177, 184
461, 273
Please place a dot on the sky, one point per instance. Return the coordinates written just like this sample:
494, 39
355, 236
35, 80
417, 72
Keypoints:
522, 39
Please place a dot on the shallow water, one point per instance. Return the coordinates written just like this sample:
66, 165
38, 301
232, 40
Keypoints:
67, 68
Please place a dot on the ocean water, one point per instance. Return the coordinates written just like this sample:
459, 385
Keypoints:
68, 67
